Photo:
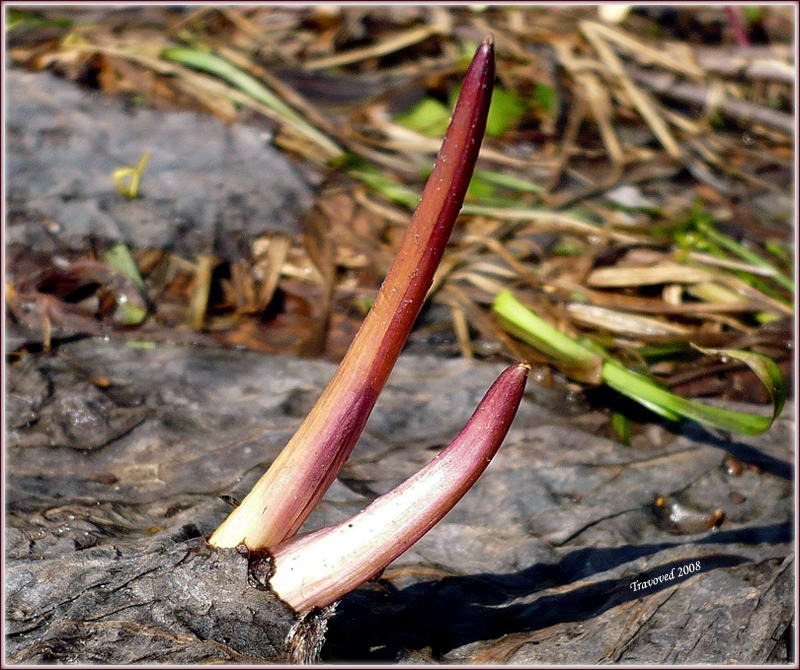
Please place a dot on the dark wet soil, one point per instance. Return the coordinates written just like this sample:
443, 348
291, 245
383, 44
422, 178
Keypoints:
562, 552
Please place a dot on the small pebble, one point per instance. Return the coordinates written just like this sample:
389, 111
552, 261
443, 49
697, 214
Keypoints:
732, 466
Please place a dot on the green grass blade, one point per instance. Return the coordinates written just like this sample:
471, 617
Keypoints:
386, 186
638, 387
506, 111
130, 314
21, 19
622, 427
546, 98
767, 371
745, 254
537, 332
208, 62
119, 258
663, 402
508, 181
428, 116
534, 330
202, 60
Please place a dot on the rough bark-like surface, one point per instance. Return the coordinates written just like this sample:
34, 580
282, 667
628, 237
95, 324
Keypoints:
207, 188
172, 600
116, 458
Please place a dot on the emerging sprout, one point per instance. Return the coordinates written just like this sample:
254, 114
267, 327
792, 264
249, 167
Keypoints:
315, 570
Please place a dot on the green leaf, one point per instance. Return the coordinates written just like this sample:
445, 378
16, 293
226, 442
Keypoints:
119, 258
508, 181
753, 13
672, 406
18, 19
766, 317
523, 323
781, 251
127, 178
428, 116
744, 253
129, 314
141, 344
567, 247
479, 188
386, 186
505, 112
767, 371
545, 97
526, 325
622, 427
431, 117
467, 49
208, 62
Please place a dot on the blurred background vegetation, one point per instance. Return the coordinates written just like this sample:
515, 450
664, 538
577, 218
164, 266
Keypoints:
635, 188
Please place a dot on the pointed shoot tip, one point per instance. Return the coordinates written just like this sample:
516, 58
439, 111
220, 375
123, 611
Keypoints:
316, 569
286, 494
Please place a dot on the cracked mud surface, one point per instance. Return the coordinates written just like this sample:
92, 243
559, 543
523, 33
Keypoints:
171, 598
116, 458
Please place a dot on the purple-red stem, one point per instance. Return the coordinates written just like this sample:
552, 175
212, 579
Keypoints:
283, 498
319, 568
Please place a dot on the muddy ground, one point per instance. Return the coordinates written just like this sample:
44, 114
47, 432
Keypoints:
113, 451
